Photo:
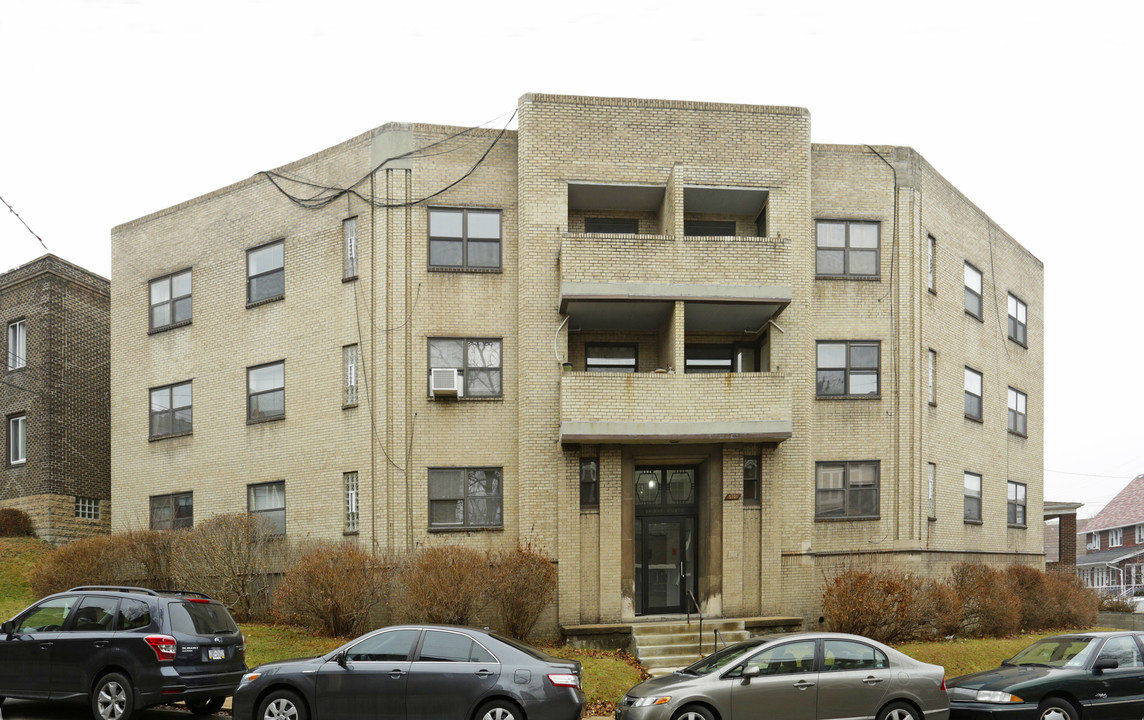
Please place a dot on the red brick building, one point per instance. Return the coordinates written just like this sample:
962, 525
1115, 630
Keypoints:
1114, 543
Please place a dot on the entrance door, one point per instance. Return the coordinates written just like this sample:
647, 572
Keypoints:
665, 540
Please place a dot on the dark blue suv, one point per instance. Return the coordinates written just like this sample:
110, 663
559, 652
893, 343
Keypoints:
122, 648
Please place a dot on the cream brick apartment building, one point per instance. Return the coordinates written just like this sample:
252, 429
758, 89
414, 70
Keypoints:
676, 345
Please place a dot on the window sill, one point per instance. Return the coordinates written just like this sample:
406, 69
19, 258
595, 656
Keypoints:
1015, 341
933, 404
752, 506
264, 301
1014, 526
848, 518
349, 533
172, 326
157, 438
932, 518
17, 464
848, 397
932, 292
592, 510
465, 529
350, 278
979, 421
475, 270
1017, 434
467, 398
260, 421
22, 368
349, 406
860, 278
978, 318
974, 522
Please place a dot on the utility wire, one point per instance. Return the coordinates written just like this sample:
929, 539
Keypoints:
13, 210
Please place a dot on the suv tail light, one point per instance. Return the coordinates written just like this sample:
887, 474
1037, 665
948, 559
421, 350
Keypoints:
163, 645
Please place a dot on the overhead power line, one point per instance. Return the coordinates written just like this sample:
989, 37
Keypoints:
13, 211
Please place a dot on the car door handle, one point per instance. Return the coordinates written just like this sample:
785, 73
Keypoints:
872, 680
396, 673
46, 645
101, 643
482, 674
803, 684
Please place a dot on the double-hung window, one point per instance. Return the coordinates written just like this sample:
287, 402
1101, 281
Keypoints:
1115, 537
17, 439
477, 360
465, 497
17, 345
973, 382
268, 501
172, 512
751, 478
847, 368
171, 300
1018, 317
846, 489
1018, 420
589, 483
171, 410
972, 497
847, 248
265, 273
266, 392
464, 238
973, 291
1016, 507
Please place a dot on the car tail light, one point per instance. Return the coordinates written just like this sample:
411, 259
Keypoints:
564, 679
163, 645
198, 600
943, 683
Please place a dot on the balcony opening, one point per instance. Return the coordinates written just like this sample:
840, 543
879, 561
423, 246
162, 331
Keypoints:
621, 209
731, 355
724, 211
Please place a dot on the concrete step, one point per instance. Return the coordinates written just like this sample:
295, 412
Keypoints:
667, 628
665, 647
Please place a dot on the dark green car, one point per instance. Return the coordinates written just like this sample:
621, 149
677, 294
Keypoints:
1095, 676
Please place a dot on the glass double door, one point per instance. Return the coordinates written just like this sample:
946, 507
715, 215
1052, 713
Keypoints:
665, 549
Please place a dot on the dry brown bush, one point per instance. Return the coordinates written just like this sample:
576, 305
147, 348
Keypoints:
15, 523
331, 589
1075, 606
987, 604
939, 611
228, 556
445, 584
878, 604
95, 560
523, 583
1030, 586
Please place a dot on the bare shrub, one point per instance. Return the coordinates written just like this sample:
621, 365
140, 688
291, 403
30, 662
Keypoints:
228, 557
523, 583
15, 523
878, 604
444, 584
89, 561
1030, 586
331, 589
1074, 605
938, 610
987, 606
1115, 604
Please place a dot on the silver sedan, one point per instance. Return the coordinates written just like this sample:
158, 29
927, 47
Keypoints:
804, 676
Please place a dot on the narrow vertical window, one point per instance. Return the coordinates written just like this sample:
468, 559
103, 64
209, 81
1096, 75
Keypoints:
350, 483
1016, 508
930, 265
350, 248
350, 375
932, 380
973, 291
1018, 419
1018, 317
972, 497
751, 476
17, 345
17, 440
589, 483
973, 383
931, 495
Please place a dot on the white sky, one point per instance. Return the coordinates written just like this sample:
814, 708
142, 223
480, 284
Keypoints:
113, 110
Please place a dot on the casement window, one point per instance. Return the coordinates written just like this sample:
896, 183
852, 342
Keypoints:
171, 410
465, 497
972, 497
464, 238
1115, 537
973, 402
266, 392
268, 501
1016, 508
171, 300
611, 357
1018, 419
349, 375
476, 360
751, 478
973, 292
931, 494
87, 508
612, 226
721, 358
349, 248
17, 344
172, 512
931, 381
846, 489
1140, 534
1018, 317
931, 282
709, 228
589, 483
350, 487
17, 439
265, 274
847, 368
847, 249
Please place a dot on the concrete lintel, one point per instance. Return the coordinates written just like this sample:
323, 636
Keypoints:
689, 292
681, 432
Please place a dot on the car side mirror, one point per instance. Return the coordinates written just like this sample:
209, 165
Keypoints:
340, 658
7, 628
1105, 663
752, 671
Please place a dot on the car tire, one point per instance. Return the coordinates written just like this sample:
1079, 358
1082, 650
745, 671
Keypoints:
282, 705
1055, 708
500, 710
693, 712
112, 698
206, 706
898, 711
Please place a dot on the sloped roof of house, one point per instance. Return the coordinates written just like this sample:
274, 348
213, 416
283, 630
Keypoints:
1109, 557
1127, 508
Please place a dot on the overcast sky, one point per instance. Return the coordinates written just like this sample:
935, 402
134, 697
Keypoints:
113, 110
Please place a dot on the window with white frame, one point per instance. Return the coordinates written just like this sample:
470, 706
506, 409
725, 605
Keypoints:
87, 508
266, 392
464, 238
477, 360
973, 402
1115, 537
1140, 534
349, 375
17, 345
268, 501
1016, 506
846, 489
931, 495
265, 273
1018, 317
847, 368
847, 248
973, 291
1018, 419
930, 265
350, 248
171, 410
171, 300
17, 439
465, 497
972, 497
350, 485
932, 379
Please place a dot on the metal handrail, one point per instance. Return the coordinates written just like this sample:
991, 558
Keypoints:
700, 614
715, 643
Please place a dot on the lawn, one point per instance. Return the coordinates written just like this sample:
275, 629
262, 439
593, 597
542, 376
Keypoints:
964, 656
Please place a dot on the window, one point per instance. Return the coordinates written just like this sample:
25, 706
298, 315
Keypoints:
795, 657
268, 501
17, 439
350, 375
265, 392
1123, 650
973, 291
848, 368
709, 228
350, 484
1140, 534
171, 410
612, 226
932, 381
751, 476
465, 497
464, 238
842, 655
972, 497
349, 248
930, 282
17, 345
171, 301
478, 360
847, 249
610, 357
265, 277
721, 358
931, 495
589, 483
388, 646
442, 646
1018, 314
87, 508
1115, 537
1018, 420
172, 512
49, 613
846, 489
973, 395
1016, 507
95, 614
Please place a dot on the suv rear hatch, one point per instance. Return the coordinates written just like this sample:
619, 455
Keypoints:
208, 641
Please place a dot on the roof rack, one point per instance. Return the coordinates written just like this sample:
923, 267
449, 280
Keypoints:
185, 592
114, 588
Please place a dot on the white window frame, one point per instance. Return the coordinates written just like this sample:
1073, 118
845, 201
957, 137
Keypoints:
931, 497
932, 380
352, 496
350, 248
350, 374
87, 508
1140, 534
931, 265
18, 439
17, 344
1115, 537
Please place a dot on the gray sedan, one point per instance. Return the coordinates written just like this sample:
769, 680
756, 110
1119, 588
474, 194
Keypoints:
803, 676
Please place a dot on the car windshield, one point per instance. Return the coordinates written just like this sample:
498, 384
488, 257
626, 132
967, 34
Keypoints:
1056, 652
719, 660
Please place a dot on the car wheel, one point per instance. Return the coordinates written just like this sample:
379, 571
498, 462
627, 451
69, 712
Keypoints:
204, 707
898, 711
112, 698
1056, 708
282, 705
500, 710
693, 712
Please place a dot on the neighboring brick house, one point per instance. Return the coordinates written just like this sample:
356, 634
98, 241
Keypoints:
1061, 536
1114, 542
676, 345
54, 388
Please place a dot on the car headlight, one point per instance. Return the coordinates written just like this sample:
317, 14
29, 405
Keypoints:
995, 696
654, 700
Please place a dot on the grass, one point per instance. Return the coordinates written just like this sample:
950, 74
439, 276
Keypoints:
964, 656
17, 558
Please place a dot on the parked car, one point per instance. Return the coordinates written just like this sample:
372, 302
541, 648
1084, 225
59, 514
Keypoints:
428, 672
801, 676
123, 648
1097, 676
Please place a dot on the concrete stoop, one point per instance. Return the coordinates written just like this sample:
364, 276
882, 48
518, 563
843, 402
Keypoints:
663, 648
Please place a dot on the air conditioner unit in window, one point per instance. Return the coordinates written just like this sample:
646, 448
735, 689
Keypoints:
445, 382
1093, 546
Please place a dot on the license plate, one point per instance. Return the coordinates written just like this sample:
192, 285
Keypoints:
216, 653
